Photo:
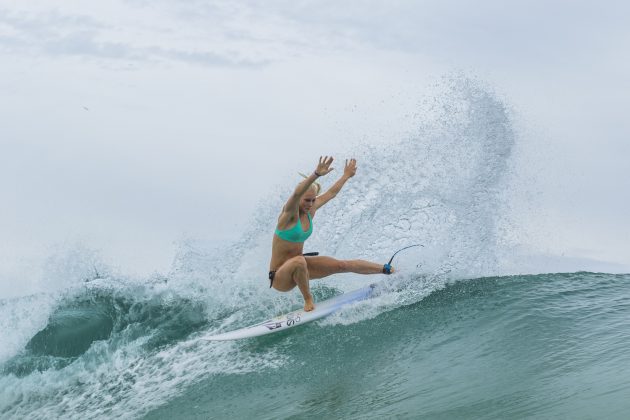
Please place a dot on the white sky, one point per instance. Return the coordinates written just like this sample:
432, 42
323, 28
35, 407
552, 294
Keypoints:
197, 109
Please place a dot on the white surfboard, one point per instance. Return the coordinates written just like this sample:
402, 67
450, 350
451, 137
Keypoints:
295, 318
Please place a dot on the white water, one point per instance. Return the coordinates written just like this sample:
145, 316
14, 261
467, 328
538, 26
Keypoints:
442, 186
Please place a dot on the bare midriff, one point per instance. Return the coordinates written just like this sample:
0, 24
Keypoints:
282, 250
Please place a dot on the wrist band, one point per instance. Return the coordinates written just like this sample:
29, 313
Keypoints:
316, 174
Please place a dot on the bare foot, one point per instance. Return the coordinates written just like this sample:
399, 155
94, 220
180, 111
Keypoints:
309, 305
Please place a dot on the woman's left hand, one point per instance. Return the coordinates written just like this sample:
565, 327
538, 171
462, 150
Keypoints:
351, 168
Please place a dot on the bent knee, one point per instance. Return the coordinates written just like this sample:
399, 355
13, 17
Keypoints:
300, 262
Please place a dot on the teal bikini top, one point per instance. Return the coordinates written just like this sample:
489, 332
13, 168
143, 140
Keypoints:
296, 234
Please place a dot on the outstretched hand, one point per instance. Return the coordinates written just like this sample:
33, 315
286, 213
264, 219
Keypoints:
323, 167
351, 168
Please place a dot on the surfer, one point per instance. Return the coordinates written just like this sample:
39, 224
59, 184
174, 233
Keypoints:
289, 267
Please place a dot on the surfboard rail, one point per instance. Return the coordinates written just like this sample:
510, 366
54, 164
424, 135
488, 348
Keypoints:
297, 317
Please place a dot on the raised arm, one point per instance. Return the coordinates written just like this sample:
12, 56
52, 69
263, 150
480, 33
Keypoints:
323, 168
349, 170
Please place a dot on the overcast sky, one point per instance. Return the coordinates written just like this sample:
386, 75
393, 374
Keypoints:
129, 124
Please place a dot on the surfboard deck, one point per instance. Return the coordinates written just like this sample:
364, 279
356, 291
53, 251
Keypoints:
298, 317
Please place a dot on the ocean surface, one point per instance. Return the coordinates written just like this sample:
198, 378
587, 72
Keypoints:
533, 346
471, 325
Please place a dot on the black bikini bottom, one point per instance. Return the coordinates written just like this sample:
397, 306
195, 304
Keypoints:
272, 274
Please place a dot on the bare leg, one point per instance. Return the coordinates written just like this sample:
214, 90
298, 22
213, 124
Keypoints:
295, 272
319, 267
300, 277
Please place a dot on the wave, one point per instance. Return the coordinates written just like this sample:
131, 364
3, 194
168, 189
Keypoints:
550, 345
103, 344
116, 315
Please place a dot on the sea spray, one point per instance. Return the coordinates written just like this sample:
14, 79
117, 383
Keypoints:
439, 186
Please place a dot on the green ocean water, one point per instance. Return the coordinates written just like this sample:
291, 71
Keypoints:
544, 346
536, 346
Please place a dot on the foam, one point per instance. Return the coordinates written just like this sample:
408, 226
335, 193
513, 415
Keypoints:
441, 186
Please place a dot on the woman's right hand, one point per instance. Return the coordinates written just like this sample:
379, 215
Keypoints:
323, 167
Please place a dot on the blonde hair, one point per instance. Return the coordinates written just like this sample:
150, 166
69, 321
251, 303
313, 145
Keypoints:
318, 187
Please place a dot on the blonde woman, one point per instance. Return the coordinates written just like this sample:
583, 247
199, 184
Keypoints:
289, 267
